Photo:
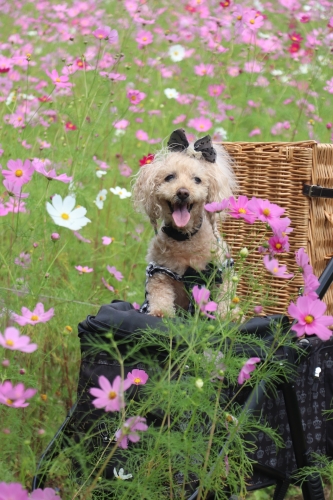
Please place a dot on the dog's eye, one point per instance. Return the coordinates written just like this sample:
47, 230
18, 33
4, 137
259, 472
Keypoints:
197, 180
169, 178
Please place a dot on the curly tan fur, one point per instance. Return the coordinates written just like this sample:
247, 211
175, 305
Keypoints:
157, 191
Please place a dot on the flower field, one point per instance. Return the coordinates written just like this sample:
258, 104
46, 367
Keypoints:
89, 91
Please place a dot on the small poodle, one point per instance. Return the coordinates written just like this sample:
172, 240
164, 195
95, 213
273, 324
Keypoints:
187, 250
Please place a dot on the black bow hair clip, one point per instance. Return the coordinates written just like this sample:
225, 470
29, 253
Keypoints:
178, 142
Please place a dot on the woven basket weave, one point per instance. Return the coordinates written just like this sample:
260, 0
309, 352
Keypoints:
277, 172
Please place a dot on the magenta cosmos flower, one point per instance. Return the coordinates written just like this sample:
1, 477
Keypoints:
278, 244
13, 491
217, 206
110, 396
137, 377
19, 173
14, 190
264, 210
201, 296
135, 96
128, 431
302, 259
309, 314
12, 340
84, 269
38, 315
200, 124
248, 367
273, 267
60, 81
117, 274
15, 395
239, 209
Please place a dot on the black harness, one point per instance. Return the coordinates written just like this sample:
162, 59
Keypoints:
190, 278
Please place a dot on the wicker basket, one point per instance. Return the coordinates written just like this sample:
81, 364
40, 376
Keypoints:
277, 172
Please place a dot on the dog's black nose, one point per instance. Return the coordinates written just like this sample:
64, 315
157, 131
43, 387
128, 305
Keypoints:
182, 194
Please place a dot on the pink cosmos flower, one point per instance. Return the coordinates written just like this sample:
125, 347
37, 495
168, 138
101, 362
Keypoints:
106, 33
14, 190
272, 266
125, 170
329, 86
311, 284
40, 167
19, 173
128, 431
24, 260
116, 274
15, 395
252, 20
13, 491
200, 124
46, 494
141, 135
138, 377
135, 96
310, 318
253, 67
121, 124
248, 367
106, 284
278, 244
110, 396
38, 315
201, 296
217, 206
240, 209
302, 259
215, 90
3, 210
12, 340
144, 38
204, 70
136, 306
179, 119
15, 206
255, 131
281, 226
60, 81
84, 269
107, 240
264, 210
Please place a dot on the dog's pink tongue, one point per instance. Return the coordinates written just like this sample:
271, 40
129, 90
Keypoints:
181, 215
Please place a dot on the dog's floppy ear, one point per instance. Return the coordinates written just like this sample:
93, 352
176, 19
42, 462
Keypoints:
144, 191
222, 179
178, 140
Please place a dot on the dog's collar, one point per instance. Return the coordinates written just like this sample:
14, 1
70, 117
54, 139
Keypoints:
178, 235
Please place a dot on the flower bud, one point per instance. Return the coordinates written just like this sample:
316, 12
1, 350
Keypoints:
199, 383
55, 236
244, 252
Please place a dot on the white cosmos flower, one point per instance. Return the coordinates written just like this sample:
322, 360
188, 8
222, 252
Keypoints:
171, 93
222, 133
176, 53
121, 192
101, 197
64, 214
121, 475
100, 173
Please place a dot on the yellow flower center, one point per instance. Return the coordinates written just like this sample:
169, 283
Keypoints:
201, 126
34, 317
148, 161
57, 80
18, 173
266, 211
275, 269
100, 36
9, 401
112, 395
9, 342
133, 97
137, 380
19, 119
241, 211
65, 216
69, 328
176, 53
101, 197
239, 18
235, 300
144, 39
252, 21
309, 319
278, 246
84, 269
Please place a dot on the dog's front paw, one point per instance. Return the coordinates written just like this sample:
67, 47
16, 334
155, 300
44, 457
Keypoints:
159, 314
